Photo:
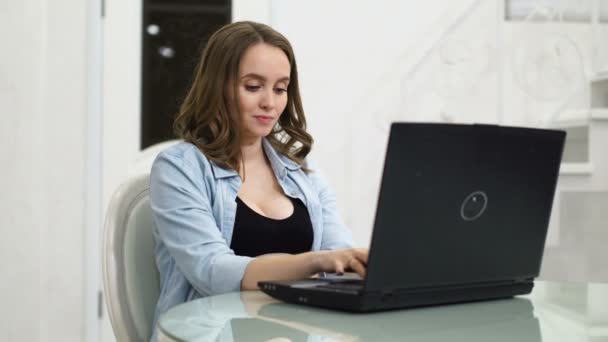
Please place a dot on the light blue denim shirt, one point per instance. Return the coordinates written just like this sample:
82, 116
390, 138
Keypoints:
194, 207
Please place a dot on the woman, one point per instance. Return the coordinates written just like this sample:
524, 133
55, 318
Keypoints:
238, 202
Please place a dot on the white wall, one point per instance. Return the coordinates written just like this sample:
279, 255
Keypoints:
121, 104
42, 101
348, 54
253, 10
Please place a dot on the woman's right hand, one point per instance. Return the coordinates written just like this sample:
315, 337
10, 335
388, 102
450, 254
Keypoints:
298, 266
342, 260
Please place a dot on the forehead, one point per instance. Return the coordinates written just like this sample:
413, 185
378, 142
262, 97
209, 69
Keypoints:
265, 60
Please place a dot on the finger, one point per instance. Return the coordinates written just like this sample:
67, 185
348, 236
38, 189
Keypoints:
338, 267
361, 255
358, 267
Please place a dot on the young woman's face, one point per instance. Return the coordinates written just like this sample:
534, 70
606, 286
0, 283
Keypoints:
262, 91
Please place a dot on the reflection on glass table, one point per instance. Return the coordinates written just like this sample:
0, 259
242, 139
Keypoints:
252, 316
553, 312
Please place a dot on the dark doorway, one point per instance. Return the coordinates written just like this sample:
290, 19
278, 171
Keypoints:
174, 34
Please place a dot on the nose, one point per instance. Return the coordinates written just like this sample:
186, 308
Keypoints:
267, 102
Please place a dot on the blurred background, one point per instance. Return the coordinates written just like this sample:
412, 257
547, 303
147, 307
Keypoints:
88, 90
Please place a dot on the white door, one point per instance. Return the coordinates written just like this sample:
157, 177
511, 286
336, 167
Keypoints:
121, 104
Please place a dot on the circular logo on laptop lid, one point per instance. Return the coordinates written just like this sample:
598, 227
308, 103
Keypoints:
474, 206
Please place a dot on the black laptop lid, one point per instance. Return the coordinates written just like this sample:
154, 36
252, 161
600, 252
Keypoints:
463, 204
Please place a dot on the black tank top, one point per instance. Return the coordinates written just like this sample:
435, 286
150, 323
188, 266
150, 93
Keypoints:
255, 234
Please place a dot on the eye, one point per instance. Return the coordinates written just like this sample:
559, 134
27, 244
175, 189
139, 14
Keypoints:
252, 88
280, 90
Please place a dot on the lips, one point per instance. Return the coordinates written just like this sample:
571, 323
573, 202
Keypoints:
263, 118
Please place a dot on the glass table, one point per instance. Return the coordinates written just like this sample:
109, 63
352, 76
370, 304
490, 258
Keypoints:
552, 312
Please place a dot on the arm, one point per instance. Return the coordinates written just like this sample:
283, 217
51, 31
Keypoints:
186, 226
278, 267
336, 255
335, 233
299, 266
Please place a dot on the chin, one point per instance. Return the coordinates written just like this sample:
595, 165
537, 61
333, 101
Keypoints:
265, 133
259, 133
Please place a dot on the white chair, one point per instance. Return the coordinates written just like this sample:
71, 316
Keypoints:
131, 280
145, 158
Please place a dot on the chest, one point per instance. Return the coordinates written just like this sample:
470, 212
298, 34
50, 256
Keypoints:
261, 192
266, 199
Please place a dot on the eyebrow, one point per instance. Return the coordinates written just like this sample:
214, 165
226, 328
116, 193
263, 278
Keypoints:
260, 77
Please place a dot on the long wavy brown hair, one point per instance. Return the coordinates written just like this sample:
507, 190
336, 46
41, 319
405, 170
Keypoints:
209, 117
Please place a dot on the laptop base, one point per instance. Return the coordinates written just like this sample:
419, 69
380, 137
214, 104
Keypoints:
358, 301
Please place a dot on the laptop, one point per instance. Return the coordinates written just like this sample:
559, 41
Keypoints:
462, 215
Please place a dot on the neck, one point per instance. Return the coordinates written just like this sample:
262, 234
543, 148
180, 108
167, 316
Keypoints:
252, 151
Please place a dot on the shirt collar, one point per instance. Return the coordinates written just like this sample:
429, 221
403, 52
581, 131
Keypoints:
279, 163
220, 172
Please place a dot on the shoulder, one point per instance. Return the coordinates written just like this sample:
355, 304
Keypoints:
184, 152
310, 164
314, 174
185, 158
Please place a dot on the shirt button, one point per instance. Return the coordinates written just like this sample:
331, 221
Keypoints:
293, 194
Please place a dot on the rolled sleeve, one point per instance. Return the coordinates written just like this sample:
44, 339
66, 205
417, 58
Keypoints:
185, 224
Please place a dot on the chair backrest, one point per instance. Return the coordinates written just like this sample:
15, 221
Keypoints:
145, 159
131, 280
